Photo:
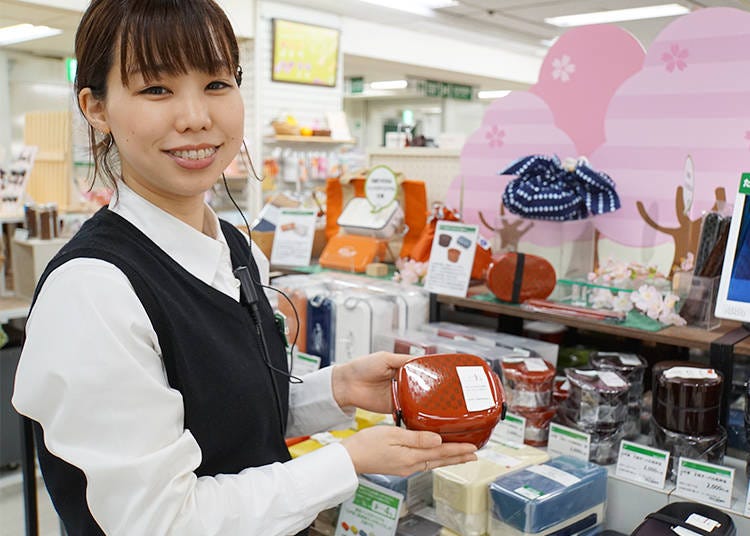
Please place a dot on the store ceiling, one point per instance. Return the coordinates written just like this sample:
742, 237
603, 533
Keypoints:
511, 24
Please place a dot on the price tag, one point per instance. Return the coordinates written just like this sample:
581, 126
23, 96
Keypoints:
564, 441
705, 482
642, 464
476, 388
372, 510
510, 430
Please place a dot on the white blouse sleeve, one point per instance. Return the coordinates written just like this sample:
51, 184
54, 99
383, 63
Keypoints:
92, 376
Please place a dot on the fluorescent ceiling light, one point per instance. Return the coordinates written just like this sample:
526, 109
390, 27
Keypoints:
25, 32
389, 84
418, 7
494, 94
618, 15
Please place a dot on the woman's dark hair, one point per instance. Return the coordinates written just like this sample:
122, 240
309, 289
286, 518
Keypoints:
152, 37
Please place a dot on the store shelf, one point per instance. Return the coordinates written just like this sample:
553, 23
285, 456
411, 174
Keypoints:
685, 337
322, 140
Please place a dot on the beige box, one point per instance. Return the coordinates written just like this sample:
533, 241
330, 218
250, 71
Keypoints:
460, 491
29, 259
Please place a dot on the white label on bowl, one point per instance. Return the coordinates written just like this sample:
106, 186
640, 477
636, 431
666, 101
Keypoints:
611, 379
629, 360
690, 373
535, 364
703, 523
476, 388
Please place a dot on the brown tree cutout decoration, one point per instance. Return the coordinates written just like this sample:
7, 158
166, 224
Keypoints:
687, 233
510, 232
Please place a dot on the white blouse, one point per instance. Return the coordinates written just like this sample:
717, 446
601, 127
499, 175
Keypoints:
91, 374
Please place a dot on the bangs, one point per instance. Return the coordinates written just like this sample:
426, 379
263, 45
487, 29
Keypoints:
175, 36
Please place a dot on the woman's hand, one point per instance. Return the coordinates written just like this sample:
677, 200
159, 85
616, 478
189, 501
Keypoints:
365, 382
391, 450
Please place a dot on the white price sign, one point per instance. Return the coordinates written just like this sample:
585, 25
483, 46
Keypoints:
381, 187
705, 482
642, 464
293, 238
510, 430
451, 258
564, 441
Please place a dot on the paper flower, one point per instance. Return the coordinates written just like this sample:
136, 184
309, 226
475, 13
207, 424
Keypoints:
675, 58
562, 69
627, 275
622, 303
410, 272
687, 263
647, 299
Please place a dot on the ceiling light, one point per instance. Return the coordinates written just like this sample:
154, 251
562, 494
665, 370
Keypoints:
418, 7
618, 15
389, 84
493, 94
19, 33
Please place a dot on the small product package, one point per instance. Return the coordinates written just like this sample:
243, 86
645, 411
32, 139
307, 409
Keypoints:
460, 491
528, 382
359, 218
416, 488
455, 395
631, 367
562, 496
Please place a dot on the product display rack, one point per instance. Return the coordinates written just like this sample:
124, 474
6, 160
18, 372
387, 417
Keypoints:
722, 343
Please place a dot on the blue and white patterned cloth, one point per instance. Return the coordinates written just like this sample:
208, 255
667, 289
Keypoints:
546, 189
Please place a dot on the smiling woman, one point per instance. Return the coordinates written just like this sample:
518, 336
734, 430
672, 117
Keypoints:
160, 401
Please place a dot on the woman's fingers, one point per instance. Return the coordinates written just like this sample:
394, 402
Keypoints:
391, 450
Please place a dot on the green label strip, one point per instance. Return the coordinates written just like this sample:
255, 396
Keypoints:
365, 497
706, 469
457, 228
579, 437
644, 451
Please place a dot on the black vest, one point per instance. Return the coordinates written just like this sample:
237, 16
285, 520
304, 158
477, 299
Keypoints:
211, 353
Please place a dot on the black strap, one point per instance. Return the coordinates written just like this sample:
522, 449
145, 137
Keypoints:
518, 277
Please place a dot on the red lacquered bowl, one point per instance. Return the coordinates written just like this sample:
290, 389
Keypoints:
455, 395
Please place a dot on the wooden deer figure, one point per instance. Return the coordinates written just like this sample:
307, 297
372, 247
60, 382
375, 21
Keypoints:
510, 232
